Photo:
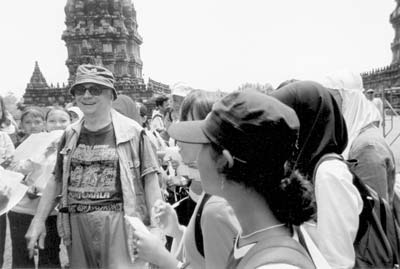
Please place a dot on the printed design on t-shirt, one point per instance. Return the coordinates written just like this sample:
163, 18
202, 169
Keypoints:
94, 175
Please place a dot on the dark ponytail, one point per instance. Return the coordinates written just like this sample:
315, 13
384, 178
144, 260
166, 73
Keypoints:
292, 201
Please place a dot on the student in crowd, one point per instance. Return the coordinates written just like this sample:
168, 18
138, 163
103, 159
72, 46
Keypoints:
7, 123
6, 151
75, 113
127, 107
57, 118
20, 217
207, 240
375, 160
322, 131
246, 140
157, 119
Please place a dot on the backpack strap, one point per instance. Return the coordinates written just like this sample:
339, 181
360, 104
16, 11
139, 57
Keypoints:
198, 234
326, 157
157, 115
278, 249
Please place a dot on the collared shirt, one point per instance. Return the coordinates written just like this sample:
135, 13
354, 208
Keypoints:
136, 160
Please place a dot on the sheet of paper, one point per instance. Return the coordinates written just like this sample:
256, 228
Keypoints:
137, 224
36, 146
41, 150
16, 191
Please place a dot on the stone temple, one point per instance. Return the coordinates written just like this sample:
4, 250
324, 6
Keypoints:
386, 80
103, 32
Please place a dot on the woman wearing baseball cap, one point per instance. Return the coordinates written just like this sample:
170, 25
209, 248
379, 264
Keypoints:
245, 142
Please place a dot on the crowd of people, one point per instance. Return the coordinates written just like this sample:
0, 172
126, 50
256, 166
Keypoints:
241, 180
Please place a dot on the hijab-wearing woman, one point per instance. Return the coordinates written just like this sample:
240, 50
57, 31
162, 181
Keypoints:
322, 131
375, 160
127, 107
245, 142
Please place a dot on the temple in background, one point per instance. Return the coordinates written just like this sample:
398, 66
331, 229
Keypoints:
102, 32
386, 80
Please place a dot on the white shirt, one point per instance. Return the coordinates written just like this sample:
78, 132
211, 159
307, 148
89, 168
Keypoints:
157, 121
339, 204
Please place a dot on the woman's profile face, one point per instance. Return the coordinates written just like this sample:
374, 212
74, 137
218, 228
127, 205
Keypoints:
188, 151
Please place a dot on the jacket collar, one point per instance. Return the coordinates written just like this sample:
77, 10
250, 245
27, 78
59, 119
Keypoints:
125, 129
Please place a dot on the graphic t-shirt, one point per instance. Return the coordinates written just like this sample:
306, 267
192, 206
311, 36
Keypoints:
94, 183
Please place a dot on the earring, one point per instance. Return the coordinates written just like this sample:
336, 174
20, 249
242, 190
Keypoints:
222, 183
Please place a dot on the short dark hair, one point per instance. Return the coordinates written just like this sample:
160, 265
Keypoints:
142, 109
198, 101
160, 100
4, 118
34, 112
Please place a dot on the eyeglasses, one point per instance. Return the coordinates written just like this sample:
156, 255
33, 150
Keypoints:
93, 90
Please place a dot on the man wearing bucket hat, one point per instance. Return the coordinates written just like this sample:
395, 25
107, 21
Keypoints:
105, 169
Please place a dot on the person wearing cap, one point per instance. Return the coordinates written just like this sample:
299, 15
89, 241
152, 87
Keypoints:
157, 119
245, 142
105, 169
204, 241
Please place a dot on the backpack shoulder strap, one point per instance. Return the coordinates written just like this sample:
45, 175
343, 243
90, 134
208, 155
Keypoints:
157, 115
326, 157
198, 234
280, 249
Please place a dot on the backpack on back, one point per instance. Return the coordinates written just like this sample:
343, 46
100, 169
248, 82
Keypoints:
377, 240
276, 250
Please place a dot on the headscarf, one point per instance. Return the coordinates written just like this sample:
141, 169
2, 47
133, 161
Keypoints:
322, 126
127, 107
357, 110
77, 111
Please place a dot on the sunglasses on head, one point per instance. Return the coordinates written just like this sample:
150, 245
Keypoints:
93, 90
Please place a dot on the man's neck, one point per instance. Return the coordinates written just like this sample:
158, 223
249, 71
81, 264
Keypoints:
96, 122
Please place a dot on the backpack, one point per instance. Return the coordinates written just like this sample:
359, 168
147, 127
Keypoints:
275, 250
377, 240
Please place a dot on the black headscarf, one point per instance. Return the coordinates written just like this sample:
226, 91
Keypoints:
322, 126
127, 107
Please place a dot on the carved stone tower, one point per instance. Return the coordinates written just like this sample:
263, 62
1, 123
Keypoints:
37, 79
395, 21
102, 32
105, 32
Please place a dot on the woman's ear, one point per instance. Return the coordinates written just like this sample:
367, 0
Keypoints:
228, 157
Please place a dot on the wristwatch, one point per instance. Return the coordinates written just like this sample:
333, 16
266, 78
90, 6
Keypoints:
182, 265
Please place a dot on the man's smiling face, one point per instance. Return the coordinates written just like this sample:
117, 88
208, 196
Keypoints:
93, 104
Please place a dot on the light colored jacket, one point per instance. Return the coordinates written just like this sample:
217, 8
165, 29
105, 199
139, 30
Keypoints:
134, 165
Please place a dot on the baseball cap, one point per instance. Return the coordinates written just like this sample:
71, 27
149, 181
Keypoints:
249, 124
88, 73
370, 91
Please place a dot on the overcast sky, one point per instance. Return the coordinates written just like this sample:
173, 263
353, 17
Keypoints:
212, 44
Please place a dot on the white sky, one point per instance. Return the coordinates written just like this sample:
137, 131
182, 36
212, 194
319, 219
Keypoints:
212, 44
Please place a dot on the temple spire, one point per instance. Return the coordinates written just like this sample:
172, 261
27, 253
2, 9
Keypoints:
37, 79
